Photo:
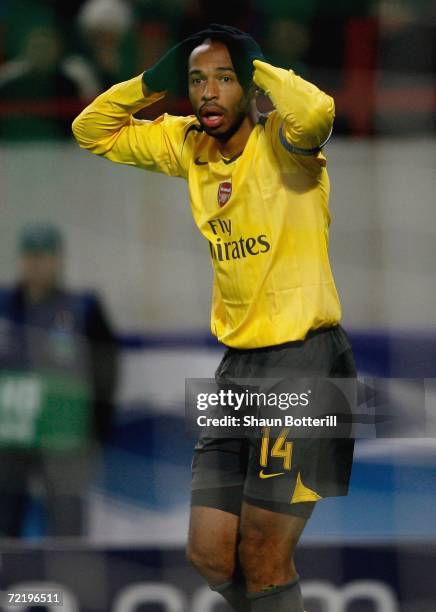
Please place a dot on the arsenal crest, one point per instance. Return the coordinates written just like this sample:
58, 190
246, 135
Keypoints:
224, 193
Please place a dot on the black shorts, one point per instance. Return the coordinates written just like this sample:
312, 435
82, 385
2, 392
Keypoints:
226, 471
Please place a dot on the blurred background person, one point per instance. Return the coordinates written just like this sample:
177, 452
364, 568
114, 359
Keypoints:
58, 367
407, 66
43, 78
103, 25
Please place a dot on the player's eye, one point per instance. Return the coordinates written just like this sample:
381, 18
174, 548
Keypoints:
226, 79
195, 81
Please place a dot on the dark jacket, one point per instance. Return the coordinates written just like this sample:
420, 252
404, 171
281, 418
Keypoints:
66, 334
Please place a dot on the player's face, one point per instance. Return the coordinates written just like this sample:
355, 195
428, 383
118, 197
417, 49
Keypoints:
216, 95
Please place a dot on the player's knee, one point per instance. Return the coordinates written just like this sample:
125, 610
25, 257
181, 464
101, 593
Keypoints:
263, 558
253, 553
216, 566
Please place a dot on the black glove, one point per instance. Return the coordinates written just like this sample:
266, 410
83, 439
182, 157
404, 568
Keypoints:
170, 73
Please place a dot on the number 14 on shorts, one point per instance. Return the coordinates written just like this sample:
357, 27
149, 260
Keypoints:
277, 447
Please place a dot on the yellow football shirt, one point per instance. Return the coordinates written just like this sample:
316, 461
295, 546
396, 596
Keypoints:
264, 214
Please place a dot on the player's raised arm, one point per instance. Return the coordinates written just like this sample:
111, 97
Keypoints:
107, 123
306, 112
107, 127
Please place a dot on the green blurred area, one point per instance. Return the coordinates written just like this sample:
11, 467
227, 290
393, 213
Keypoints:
43, 410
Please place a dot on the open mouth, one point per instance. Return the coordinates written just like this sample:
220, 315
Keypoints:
212, 117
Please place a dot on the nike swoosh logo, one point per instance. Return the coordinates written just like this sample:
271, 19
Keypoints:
262, 475
232, 159
198, 162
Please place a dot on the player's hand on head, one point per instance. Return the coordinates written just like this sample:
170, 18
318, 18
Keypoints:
169, 73
246, 43
266, 76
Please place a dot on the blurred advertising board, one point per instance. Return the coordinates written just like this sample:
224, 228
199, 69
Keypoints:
383, 577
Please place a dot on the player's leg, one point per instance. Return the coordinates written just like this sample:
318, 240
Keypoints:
212, 543
212, 550
266, 550
285, 477
218, 473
